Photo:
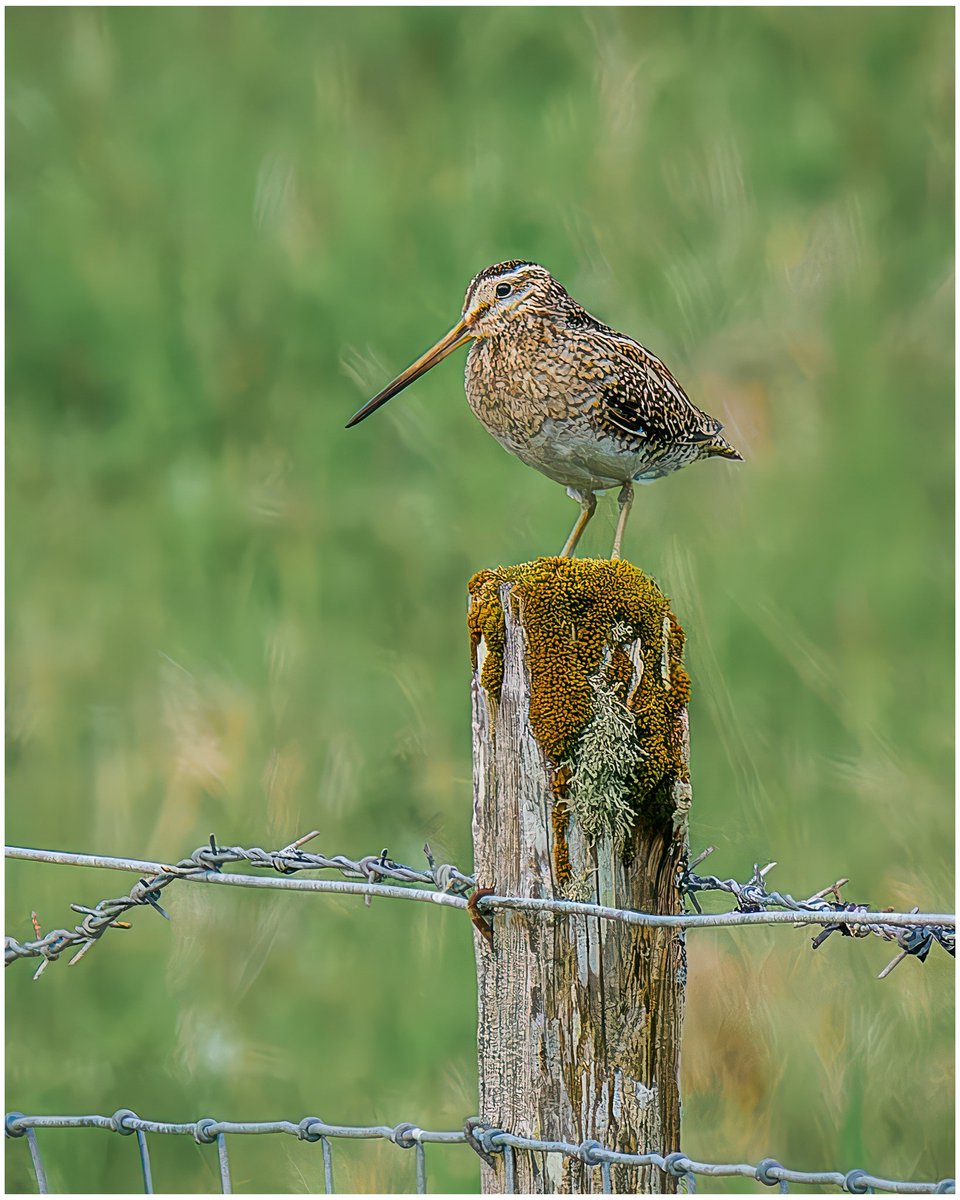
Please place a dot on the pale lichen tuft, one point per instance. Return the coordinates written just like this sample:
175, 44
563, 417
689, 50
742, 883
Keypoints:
604, 782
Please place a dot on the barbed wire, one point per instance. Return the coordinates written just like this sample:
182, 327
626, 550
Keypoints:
914, 940
487, 1139
205, 865
914, 932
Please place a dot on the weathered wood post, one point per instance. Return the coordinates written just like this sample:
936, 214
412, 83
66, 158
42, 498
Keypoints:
581, 791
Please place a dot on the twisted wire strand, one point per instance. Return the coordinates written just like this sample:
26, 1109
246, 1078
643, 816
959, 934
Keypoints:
492, 1141
914, 938
205, 865
914, 932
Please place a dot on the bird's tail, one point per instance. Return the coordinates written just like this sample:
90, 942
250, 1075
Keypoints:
718, 446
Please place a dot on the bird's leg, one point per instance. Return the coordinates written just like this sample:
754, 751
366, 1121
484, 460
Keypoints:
588, 506
626, 500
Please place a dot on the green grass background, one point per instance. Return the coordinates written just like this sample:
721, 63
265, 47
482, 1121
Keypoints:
225, 230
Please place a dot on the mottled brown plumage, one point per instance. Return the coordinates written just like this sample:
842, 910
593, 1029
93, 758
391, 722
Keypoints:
586, 405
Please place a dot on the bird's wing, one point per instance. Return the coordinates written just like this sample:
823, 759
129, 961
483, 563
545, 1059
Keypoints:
640, 397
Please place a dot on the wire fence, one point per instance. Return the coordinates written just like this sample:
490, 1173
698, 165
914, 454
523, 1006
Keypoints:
914, 933
485, 1139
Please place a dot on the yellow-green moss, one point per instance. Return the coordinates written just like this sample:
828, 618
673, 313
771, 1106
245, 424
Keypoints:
572, 609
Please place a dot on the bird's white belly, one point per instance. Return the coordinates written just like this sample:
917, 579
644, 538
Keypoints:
570, 453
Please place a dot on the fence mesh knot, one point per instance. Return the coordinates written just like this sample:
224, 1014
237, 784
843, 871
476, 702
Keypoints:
488, 1136
588, 1152
308, 1131
676, 1164
12, 1127
205, 1131
857, 1182
120, 1118
406, 1135
764, 1171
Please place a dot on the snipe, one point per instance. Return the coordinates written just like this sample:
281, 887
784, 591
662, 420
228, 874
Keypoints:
584, 404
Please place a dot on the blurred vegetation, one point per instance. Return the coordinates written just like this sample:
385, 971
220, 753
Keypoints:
225, 230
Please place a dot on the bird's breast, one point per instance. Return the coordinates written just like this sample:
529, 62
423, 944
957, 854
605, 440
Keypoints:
535, 395
514, 385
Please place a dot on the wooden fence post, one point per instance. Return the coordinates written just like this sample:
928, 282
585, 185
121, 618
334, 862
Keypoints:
581, 791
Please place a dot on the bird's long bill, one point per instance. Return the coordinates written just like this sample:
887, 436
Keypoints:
457, 337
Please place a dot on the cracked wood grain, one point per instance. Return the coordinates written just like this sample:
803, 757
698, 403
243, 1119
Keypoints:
579, 1019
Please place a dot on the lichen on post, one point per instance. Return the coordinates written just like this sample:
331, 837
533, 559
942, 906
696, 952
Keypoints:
581, 790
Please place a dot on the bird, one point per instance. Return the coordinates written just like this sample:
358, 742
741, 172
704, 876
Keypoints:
586, 405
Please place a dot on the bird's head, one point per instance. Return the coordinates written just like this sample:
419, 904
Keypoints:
496, 298
505, 293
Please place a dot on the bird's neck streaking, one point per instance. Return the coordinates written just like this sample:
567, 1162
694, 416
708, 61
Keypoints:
512, 379
531, 325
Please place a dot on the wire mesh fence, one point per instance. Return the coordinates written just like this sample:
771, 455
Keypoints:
486, 1140
914, 933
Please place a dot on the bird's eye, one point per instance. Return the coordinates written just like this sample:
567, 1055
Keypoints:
504, 289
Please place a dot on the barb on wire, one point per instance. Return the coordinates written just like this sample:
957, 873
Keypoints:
448, 887
753, 897
208, 859
486, 1140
